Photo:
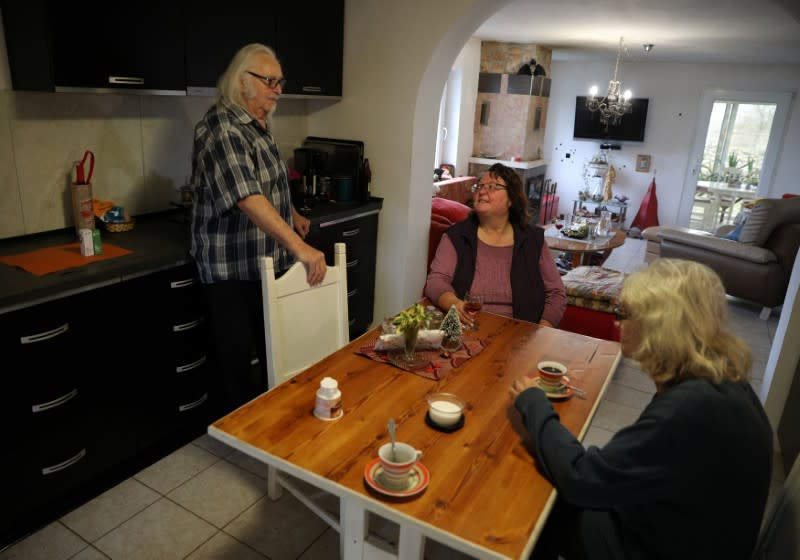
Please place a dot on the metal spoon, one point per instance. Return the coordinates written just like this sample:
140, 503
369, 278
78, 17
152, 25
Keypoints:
392, 434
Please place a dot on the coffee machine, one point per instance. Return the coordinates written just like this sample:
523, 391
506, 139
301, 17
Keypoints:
325, 161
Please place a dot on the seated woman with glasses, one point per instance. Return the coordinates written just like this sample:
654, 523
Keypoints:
497, 254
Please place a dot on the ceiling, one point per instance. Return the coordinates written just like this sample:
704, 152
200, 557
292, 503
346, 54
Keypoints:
694, 31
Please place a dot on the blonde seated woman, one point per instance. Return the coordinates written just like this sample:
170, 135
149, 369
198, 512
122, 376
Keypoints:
689, 479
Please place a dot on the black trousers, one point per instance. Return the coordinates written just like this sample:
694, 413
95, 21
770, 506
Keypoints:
236, 316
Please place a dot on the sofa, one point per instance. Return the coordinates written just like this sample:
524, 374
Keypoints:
758, 264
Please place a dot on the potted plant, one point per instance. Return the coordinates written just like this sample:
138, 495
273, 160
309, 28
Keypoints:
408, 323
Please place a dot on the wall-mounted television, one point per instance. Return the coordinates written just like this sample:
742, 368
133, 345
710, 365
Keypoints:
630, 128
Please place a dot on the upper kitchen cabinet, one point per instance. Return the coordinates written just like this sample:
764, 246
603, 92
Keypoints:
306, 36
309, 44
213, 37
57, 46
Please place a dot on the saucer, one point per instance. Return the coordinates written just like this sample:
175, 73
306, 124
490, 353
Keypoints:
563, 393
447, 429
417, 480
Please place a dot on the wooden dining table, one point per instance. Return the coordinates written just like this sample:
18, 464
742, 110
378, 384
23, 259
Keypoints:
485, 496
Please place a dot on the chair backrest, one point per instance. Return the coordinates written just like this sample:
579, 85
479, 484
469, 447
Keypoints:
780, 535
303, 323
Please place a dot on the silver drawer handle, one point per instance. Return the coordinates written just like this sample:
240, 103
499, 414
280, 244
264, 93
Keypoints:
66, 464
187, 326
312, 89
352, 263
39, 337
351, 233
352, 293
191, 405
125, 80
55, 402
181, 283
189, 367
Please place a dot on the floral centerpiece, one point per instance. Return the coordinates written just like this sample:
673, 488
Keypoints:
408, 323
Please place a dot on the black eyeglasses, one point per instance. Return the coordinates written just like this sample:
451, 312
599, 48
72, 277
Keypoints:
270, 81
492, 187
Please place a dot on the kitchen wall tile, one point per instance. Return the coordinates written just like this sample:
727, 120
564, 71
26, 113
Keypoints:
167, 136
143, 146
11, 217
51, 132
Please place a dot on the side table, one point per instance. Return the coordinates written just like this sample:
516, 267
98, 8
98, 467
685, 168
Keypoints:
619, 210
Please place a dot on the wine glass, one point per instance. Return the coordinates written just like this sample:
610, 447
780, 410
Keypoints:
472, 304
559, 223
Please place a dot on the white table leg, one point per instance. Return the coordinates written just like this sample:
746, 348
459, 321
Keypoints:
354, 523
712, 217
411, 545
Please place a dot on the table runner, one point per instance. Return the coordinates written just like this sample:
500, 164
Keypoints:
440, 362
60, 257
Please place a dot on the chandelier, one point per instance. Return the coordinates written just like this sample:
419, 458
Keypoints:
614, 105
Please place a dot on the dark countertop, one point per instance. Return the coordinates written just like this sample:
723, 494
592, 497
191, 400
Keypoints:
158, 241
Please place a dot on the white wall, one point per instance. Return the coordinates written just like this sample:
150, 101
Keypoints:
675, 92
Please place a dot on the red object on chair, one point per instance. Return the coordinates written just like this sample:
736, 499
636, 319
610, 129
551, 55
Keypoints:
590, 322
648, 211
444, 213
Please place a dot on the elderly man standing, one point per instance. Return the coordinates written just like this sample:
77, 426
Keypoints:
243, 211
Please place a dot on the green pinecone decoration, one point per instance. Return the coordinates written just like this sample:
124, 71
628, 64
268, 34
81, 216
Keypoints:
451, 324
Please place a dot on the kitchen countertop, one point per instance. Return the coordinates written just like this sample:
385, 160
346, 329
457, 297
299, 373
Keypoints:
158, 241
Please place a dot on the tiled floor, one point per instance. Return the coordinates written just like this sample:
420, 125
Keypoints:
206, 501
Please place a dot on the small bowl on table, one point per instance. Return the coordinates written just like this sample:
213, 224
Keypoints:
446, 410
551, 375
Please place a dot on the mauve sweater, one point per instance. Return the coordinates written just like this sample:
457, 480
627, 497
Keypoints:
492, 279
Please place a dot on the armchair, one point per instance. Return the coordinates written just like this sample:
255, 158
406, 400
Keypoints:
757, 266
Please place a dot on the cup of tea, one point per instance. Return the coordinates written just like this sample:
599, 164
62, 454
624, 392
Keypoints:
551, 375
396, 467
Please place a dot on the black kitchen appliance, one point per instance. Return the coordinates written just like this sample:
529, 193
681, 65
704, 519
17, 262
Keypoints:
332, 158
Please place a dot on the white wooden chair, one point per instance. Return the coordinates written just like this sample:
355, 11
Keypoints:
302, 324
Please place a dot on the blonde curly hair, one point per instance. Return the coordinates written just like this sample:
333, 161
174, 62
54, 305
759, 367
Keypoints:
681, 316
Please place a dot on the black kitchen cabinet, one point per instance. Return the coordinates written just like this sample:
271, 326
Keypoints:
54, 46
309, 44
172, 363
307, 38
106, 378
213, 37
360, 234
168, 47
53, 445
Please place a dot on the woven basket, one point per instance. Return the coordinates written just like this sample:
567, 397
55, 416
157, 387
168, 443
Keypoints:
118, 226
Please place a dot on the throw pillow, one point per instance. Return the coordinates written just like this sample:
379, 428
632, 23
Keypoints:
737, 231
756, 222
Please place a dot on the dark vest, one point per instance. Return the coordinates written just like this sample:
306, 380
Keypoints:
527, 287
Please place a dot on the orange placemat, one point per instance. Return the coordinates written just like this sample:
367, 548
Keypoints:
59, 257
438, 362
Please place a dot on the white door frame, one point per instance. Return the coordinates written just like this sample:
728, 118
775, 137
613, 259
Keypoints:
782, 101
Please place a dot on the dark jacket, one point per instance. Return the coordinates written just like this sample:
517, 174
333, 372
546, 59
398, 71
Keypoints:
688, 480
527, 287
